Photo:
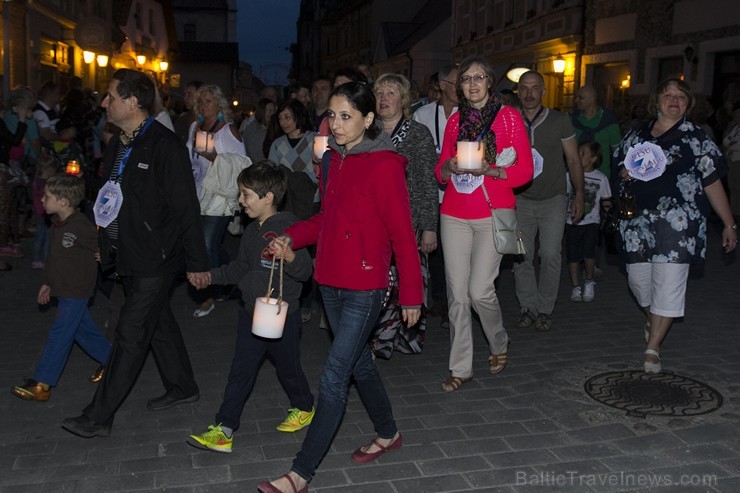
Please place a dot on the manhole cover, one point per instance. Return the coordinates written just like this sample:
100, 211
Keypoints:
660, 394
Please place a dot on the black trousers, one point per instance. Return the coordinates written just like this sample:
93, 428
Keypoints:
146, 321
250, 353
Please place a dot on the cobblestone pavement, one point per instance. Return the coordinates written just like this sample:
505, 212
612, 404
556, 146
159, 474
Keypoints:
530, 429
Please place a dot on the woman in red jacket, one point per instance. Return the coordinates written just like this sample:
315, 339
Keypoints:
365, 218
471, 261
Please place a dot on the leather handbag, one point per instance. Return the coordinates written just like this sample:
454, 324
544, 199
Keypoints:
507, 239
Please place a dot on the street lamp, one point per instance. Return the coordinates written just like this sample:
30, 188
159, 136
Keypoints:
102, 61
558, 64
88, 56
163, 65
141, 59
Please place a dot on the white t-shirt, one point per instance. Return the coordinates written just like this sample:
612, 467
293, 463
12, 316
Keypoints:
433, 117
596, 187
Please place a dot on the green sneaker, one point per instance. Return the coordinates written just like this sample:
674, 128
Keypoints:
214, 439
296, 420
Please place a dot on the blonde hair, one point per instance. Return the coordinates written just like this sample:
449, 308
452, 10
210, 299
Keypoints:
223, 104
404, 88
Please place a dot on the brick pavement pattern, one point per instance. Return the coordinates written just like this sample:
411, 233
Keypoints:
531, 428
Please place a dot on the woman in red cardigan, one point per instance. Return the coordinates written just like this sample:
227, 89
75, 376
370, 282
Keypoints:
471, 261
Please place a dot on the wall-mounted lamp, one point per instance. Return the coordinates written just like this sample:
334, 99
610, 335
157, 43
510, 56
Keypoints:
141, 59
102, 60
88, 56
235, 103
558, 64
626, 82
163, 65
515, 73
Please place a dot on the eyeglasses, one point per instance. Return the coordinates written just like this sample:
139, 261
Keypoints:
445, 80
675, 97
469, 79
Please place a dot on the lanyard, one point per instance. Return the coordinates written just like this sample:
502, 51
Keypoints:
127, 152
436, 128
531, 122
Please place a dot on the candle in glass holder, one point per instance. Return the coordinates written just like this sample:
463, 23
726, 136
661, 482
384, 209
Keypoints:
320, 143
470, 155
203, 142
269, 318
73, 167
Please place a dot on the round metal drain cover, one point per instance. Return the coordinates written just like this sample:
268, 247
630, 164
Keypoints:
658, 394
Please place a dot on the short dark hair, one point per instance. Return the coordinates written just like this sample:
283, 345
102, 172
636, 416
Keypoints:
351, 74
595, 149
263, 177
138, 84
323, 77
69, 187
663, 86
195, 84
47, 88
299, 112
362, 98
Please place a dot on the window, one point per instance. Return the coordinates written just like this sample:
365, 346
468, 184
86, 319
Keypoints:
189, 34
137, 17
151, 22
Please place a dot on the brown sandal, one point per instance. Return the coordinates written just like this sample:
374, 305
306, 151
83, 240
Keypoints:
497, 362
451, 384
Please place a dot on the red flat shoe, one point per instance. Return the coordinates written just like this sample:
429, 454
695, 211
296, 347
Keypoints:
266, 487
360, 457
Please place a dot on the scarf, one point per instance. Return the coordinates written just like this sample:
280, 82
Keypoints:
400, 132
474, 121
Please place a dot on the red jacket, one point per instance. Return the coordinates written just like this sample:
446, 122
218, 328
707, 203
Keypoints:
365, 218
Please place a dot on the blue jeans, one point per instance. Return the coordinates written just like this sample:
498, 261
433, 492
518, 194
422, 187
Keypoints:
214, 228
249, 353
352, 315
40, 242
73, 323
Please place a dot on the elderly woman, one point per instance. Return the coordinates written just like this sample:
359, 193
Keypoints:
214, 117
414, 142
471, 260
672, 172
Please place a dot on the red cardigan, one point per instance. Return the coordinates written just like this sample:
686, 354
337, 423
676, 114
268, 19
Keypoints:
510, 132
365, 219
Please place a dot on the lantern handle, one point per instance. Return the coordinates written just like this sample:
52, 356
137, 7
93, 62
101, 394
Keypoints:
269, 284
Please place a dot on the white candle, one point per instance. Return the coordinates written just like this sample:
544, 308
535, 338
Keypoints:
201, 138
320, 143
470, 155
267, 322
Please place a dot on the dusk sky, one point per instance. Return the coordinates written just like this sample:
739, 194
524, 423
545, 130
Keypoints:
265, 30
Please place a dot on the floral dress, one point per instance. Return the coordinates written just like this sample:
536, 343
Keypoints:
670, 222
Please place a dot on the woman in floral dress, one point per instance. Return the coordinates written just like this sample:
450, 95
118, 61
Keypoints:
672, 169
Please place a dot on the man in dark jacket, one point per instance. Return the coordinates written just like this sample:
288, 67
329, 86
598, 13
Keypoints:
150, 223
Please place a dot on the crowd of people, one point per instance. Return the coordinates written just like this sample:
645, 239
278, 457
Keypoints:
384, 224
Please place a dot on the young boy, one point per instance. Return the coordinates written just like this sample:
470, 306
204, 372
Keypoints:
581, 238
262, 187
70, 274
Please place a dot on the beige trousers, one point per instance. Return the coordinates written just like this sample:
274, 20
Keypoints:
471, 267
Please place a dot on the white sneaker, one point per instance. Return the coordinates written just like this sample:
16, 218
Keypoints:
575, 295
589, 290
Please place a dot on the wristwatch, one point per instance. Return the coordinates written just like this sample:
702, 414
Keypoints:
734, 226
